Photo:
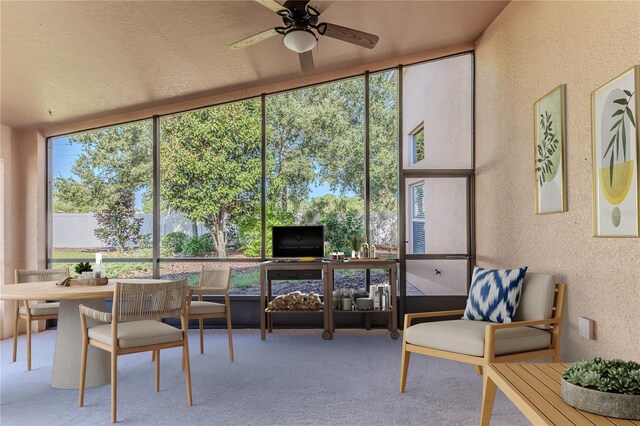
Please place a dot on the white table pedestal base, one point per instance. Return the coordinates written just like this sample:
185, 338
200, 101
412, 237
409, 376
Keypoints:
66, 361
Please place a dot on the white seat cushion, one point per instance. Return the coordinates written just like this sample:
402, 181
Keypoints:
538, 293
467, 337
198, 307
49, 308
137, 333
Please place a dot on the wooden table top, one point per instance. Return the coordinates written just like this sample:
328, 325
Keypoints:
535, 389
48, 290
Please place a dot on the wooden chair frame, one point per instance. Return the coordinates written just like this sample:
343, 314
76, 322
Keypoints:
227, 314
114, 350
27, 316
553, 351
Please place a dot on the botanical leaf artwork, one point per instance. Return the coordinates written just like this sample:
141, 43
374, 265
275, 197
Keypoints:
549, 142
615, 156
546, 147
619, 131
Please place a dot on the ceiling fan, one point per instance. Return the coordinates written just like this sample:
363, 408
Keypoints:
300, 18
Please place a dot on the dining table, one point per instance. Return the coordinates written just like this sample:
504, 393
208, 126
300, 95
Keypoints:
66, 360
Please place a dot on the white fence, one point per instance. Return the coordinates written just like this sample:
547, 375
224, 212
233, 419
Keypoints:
77, 230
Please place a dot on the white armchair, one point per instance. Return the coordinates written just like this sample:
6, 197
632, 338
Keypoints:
535, 332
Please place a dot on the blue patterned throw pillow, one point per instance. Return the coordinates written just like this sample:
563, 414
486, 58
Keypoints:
494, 294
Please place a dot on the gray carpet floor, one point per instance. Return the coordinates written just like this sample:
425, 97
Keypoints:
294, 377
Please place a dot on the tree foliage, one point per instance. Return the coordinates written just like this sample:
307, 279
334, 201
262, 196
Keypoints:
114, 164
117, 225
341, 228
211, 165
112, 160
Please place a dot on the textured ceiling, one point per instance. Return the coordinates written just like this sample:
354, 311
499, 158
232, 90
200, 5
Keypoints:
66, 61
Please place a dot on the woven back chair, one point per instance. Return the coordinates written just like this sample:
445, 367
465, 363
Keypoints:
213, 281
217, 280
34, 311
134, 327
39, 275
152, 301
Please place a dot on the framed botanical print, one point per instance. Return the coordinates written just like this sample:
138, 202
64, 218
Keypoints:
614, 127
549, 152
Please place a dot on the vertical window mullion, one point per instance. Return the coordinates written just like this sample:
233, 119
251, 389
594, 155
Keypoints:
263, 182
367, 165
155, 238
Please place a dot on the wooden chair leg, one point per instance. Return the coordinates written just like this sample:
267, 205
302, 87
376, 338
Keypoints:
478, 369
182, 365
156, 354
83, 372
15, 332
230, 337
187, 368
201, 336
114, 385
488, 396
404, 368
28, 345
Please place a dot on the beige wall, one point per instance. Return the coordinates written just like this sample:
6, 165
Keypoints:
529, 49
438, 95
23, 216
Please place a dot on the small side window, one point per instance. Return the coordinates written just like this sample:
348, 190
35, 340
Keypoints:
418, 219
417, 144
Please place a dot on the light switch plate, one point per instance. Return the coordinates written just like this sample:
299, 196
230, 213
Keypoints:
586, 328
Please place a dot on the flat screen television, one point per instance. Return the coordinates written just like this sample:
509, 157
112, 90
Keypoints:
298, 241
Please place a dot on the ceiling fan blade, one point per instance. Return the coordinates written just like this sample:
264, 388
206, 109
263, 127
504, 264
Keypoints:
293, 4
256, 38
351, 36
320, 5
306, 61
271, 4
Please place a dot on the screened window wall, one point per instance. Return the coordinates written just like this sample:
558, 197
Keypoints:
164, 196
101, 197
210, 182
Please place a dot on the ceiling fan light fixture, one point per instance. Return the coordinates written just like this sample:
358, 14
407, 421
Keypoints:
300, 40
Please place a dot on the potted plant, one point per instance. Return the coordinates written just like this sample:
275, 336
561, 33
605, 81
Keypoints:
355, 242
83, 269
606, 387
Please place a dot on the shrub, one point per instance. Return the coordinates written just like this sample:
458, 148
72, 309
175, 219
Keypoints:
249, 230
340, 229
197, 246
145, 242
118, 225
614, 375
171, 244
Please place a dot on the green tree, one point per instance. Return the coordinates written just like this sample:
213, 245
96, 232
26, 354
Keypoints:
312, 211
113, 166
315, 136
383, 135
211, 165
112, 160
118, 226
340, 228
